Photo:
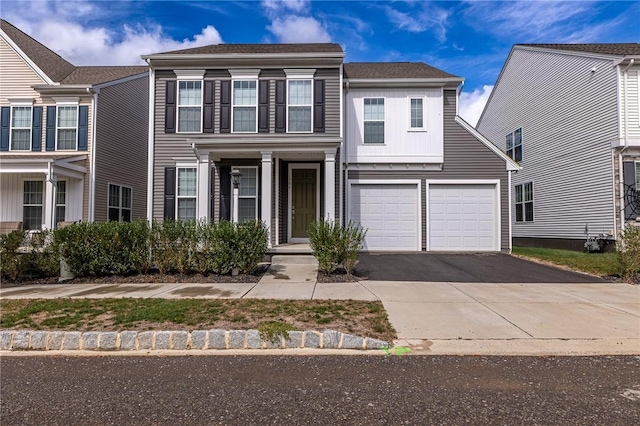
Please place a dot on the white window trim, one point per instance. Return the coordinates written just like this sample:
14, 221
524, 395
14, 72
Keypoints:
247, 196
524, 202
195, 197
66, 197
187, 78
364, 120
11, 128
67, 103
233, 106
44, 191
513, 148
309, 105
424, 102
119, 207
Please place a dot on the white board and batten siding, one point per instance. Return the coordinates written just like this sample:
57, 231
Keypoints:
569, 118
630, 105
401, 145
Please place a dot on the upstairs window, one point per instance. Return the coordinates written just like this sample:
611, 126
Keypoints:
514, 145
299, 106
245, 106
416, 106
374, 120
119, 203
67, 127
186, 193
524, 202
21, 128
190, 106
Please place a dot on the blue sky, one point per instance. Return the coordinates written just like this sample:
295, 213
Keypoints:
470, 39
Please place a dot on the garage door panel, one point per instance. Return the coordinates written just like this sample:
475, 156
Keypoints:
389, 212
462, 217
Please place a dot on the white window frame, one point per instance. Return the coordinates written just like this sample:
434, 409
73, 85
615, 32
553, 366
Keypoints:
58, 128
179, 197
524, 202
233, 106
511, 138
66, 197
241, 168
12, 128
423, 100
119, 207
41, 205
310, 105
178, 106
637, 175
364, 120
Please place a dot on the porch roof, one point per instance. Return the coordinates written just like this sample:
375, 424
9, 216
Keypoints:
44, 163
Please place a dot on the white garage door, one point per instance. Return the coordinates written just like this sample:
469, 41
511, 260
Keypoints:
389, 212
462, 217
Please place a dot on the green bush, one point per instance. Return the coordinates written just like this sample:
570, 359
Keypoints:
11, 262
335, 244
44, 255
251, 245
173, 246
629, 252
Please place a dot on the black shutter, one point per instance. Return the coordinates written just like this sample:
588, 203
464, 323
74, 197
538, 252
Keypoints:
83, 127
629, 171
212, 195
170, 193
263, 106
318, 106
5, 122
207, 113
36, 129
170, 106
225, 193
281, 106
225, 106
50, 141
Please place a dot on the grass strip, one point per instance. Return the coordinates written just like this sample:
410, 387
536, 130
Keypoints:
602, 264
367, 319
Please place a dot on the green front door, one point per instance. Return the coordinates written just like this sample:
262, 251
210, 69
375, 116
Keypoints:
303, 201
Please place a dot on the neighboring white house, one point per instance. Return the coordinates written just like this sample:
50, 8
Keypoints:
72, 139
569, 114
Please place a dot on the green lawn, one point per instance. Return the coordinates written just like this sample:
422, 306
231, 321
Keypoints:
367, 319
601, 264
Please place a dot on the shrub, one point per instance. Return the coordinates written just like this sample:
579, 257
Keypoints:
251, 245
11, 262
629, 252
334, 244
44, 254
173, 246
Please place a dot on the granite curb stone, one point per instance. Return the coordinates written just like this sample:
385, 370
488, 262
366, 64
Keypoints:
14, 340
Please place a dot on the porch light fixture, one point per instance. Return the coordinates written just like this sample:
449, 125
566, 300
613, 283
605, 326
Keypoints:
235, 181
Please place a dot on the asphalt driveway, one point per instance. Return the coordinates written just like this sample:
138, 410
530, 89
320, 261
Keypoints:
459, 267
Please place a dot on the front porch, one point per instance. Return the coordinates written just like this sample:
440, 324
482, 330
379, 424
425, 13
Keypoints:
41, 191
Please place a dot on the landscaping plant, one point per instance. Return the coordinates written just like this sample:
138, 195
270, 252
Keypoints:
11, 262
629, 252
334, 244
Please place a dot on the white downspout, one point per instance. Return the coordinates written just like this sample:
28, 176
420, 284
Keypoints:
510, 212
626, 143
94, 145
151, 136
345, 157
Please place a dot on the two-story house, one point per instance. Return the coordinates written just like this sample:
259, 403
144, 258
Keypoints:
569, 114
417, 176
315, 138
73, 140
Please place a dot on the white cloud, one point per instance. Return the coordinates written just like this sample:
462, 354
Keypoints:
472, 104
297, 6
64, 30
299, 29
426, 17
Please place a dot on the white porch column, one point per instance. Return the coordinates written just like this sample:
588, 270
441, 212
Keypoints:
202, 193
266, 193
330, 185
49, 196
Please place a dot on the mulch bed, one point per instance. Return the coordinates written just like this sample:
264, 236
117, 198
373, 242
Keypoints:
339, 276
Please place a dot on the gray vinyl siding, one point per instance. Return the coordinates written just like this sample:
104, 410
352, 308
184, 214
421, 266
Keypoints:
170, 148
465, 157
568, 116
121, 152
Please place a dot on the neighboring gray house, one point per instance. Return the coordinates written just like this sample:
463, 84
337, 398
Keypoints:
380, 143
569, 114
73, 140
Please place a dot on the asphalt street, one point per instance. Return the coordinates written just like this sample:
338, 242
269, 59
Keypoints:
301, 390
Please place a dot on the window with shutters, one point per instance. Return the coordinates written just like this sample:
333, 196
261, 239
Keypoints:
119, 203
248, 194
299, 105
186, 193
21, 128
244, 109
190, 106
524, 202
67, 127
61, 201
32, 204
373, 120
514, 145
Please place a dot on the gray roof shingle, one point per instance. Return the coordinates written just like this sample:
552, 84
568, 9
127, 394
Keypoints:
393, 70
621, 49
97, 74
259, 48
